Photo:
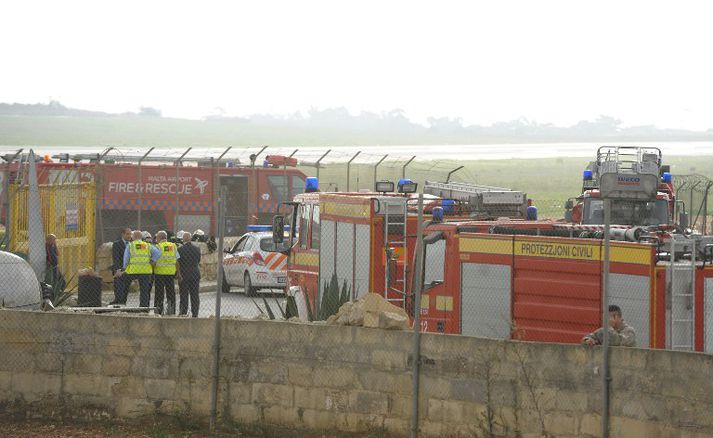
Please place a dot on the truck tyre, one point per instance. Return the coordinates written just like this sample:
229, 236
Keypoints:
248, 286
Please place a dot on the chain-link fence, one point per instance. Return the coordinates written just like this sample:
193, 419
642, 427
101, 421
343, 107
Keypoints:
387, 261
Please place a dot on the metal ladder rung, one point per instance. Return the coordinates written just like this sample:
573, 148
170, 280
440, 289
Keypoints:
396, 242
682, 320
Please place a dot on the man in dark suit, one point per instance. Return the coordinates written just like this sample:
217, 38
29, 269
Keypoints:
188, 275
117, 263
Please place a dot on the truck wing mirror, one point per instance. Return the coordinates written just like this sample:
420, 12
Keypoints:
278, 230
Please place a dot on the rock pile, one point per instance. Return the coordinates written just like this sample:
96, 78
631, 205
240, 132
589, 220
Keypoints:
371, 310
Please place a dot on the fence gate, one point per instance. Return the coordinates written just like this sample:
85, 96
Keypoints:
67, 212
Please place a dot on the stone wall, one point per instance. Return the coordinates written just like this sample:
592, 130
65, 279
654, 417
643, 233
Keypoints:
314, 378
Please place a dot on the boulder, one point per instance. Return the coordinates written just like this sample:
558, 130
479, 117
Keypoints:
372, 310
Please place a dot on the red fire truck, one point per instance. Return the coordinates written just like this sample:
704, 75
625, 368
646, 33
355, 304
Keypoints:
171, 196
366, 240
506, 278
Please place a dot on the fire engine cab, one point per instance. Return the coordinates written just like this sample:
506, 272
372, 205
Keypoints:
632, 165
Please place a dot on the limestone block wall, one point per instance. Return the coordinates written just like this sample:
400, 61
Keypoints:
309, 379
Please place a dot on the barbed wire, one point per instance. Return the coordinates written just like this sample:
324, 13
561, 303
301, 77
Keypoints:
696, 182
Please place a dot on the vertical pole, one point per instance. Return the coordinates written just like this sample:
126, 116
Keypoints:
448, 178
403, 169
705, 208
6, 198
669, 297
373, 185
286, 181
178, 189
692, 301
349, 164
141, 187
318, 165
416, 291
99, 195
216, 186
216, 333
605, 321
255, 184
691, 219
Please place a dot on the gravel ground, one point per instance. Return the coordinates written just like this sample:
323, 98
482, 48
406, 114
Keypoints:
10, 427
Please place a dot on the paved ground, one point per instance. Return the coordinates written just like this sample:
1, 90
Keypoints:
234, 303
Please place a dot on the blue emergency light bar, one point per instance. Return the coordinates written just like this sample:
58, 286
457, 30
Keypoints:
448, 205
587, 175
405, 185
311, 185
261, 228
667, 177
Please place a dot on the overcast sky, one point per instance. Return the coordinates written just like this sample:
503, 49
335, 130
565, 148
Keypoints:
552, 61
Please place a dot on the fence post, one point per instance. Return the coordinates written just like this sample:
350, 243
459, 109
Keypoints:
254, 182
99, 204
605, 321
349, 164
219, 291
141, 188
178, 189
705, 208
416, 292
286, 181
373, 186
448, 178
403, 169
10, 159
216, 183
319, 161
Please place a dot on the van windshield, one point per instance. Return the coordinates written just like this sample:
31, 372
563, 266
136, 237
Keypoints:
626, 212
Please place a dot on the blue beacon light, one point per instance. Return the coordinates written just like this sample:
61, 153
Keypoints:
311, 184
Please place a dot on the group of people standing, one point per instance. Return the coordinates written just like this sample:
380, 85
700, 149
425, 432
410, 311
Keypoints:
135, 257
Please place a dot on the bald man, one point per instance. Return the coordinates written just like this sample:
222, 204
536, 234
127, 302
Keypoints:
189, 275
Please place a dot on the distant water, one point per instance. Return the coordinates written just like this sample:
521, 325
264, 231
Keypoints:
371, 154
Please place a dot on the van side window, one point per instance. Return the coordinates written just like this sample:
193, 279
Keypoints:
314, 244
278, 187
434, 266
298, 185
304, 225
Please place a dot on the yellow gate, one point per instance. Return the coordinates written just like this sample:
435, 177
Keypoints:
68, 213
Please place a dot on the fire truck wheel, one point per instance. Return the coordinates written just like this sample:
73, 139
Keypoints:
248, 286
226, 286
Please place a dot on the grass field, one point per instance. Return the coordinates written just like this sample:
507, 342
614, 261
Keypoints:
549, 182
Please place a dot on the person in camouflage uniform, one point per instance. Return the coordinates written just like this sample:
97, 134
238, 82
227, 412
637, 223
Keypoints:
620, 333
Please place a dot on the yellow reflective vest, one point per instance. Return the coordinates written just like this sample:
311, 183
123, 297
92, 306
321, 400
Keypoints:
166, 264
139, 258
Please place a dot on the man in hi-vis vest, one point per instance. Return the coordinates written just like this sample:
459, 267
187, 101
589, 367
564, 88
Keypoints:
139, 258
165, 274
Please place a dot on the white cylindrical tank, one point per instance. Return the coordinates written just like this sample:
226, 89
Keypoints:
19, 287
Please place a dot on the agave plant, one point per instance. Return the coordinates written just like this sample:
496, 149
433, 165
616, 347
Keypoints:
59, 286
